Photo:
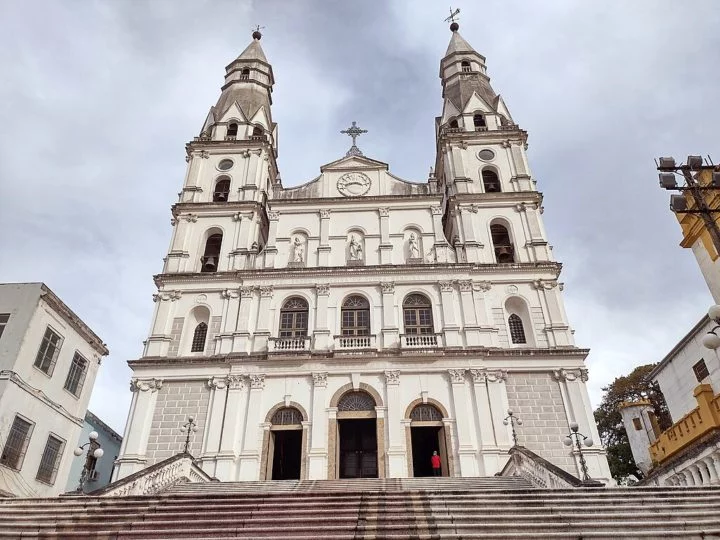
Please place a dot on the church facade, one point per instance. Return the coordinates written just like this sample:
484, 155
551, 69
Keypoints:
356, 324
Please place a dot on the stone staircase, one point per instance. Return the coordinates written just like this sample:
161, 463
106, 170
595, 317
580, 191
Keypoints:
430, 508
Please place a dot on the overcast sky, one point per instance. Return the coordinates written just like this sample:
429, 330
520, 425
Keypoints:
98, 98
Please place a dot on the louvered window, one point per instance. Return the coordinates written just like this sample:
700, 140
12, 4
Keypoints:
76, 375
50, 460
48, 353
517, 332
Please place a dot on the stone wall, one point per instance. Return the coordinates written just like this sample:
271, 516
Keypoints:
175, 402
536, 399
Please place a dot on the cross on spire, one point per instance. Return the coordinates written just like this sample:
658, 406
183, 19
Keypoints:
453, 14
353, 131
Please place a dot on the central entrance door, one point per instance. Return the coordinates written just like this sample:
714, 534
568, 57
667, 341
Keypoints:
286, 454
427, 435
358, 448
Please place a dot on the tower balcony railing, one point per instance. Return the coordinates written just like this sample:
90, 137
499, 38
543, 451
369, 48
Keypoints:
289, 344
508, 127
481, 128
421, 341
355, 342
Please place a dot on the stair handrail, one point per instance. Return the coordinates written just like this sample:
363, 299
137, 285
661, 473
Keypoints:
540, 472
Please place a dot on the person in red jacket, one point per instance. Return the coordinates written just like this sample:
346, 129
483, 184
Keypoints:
435, 462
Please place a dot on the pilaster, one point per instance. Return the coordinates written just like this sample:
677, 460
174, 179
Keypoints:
385, 245
241, 338
450, 326
391, 337
233, 427
270, 248
250, 456
461, 405
214, 425
230, 310
318, 454
397, 451
158, 342
324, 247
322, 338
264, 319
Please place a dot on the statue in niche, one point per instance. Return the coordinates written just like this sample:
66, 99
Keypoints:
413, 249
355, 249
298, 251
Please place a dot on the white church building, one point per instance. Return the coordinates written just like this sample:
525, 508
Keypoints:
353, 325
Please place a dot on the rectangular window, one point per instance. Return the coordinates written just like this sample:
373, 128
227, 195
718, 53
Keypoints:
4, 318
701, 370
76, 375
16, 444
48, 353
50, 460
637, 424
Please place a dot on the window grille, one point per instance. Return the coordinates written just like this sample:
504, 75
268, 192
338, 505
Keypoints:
76, 375
701, 371
4, 318
465, 66
294, 318
417, 314
50, 460
355, 317
426, 413
287, 416
48, 353
356, 401
16, 444
199, 337
517, 332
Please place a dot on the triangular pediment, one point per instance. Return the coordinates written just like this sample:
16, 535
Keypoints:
477, 103
261, 117
234, 112
502, 109
449, 111
354, 163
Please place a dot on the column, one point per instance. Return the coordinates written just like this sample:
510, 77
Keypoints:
318, 455
262, 330
231, 306
385, 245
241, 337
696, 476
487, 331
470, 325
214, 426
557, 328
324, 247
466, 449
270, 248
323, 339
497, 396
440, 245
390, 332
396, 448
490, 454
232, 427
235, 251
135, 443
158, 342
450, 326
472, 245
250, 456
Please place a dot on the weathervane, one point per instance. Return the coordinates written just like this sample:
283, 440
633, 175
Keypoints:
354, 132
453, 14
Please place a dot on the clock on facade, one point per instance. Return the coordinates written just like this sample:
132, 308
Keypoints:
353, 184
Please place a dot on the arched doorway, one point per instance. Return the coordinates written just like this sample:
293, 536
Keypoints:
357, 434
427, 433
284, 445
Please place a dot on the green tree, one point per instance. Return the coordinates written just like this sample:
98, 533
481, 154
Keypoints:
632, 387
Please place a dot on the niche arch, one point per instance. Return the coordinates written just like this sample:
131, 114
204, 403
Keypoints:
516, 308
197, 316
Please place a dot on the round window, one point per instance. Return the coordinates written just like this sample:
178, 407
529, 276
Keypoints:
225, 164
486, 155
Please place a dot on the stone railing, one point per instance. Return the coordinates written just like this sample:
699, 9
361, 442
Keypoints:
540, 472
355, 342
156, 478
421, 341
289, 344
702, 420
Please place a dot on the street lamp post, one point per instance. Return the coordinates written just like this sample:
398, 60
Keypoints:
189, 427
574, 438
511, 419
94, 452
711, 340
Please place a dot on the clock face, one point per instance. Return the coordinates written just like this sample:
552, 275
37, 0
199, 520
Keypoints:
354, 184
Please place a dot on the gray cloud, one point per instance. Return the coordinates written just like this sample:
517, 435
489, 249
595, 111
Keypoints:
98, 99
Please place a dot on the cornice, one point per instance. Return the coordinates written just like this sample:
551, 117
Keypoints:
225, 207
332, 202
512, 197
13, 377
493, 135
405, 355
444, 269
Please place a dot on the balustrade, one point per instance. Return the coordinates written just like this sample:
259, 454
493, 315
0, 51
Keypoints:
420, 341
355, 342
289, 344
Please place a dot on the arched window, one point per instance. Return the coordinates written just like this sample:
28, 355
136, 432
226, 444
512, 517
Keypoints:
199, 337
425, 412
465, 66
222, 190
287, 416
244, 74
479, 121
501, 243
417, 314
355, 316
356, 401
294, 318
491, 182
258, 131
453, 124
517, 332
211, 254
232, 130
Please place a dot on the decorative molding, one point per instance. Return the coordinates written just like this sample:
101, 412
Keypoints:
257, 381
322, 289
143, 385
320, 379
229, 293
472, 208
482, 286
465, 285
273, 215
324, 214
479, 375
173, 222
164, 296
388, 287
218, 383
247, 292
392, 377
570, 375
190, 218
266, 291
506, 143
384, 212
436, 210
457, 376
543, 284
354, 184
445, 286
497, 375
511, 289
236, 382
237, 216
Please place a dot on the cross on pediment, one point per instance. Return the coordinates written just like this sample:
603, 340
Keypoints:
353, 131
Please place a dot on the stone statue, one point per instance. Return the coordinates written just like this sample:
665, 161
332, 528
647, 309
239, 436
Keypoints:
356, 250
413, 247
298, 251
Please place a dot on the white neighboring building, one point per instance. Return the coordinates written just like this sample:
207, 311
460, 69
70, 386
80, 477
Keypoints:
48, 362
354, 324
